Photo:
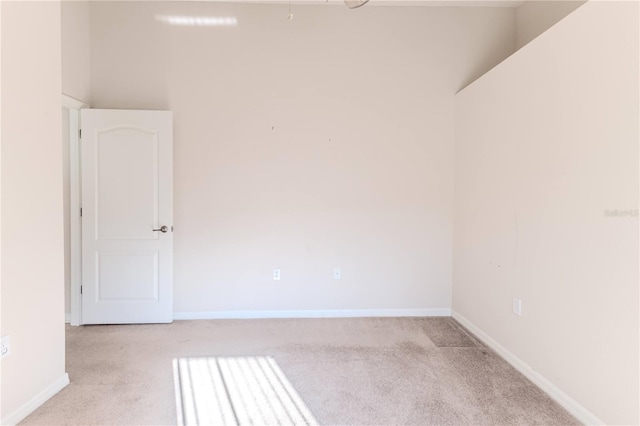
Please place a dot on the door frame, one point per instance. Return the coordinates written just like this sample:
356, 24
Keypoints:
75, 190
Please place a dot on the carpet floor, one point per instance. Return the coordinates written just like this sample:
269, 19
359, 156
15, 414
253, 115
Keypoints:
356, 371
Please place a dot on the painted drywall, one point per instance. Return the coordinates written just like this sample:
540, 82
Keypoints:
546, 203
76, 49
536, 16
32, 236
307, 145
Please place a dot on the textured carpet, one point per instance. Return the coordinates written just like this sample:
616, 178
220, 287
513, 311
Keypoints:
227, 391
369, 371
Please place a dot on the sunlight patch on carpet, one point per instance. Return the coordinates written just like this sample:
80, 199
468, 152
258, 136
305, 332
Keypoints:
236, 391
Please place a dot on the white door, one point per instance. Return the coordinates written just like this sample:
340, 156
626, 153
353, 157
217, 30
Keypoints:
127, 233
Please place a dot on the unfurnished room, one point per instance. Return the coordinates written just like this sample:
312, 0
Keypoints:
331, 212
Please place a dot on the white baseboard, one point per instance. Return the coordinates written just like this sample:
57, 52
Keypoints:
571, 405
35, 402
334, 313
67, 318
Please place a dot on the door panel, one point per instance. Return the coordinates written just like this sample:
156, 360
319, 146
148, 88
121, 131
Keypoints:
127, 195
127, 276
126, 199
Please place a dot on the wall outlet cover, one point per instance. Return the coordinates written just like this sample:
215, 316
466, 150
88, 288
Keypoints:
517, 306
5, 346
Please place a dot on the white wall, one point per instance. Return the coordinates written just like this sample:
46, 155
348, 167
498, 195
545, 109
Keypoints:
32, 240
536, 16
546, 144
307, 145
76, 49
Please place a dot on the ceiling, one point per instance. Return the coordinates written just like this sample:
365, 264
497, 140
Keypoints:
434, 3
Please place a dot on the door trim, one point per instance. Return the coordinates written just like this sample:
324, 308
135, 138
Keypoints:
75, 225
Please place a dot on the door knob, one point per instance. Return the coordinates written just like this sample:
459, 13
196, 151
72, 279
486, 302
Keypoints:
163, 229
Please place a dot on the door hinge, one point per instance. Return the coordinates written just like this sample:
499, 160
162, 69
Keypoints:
80, 289
80, 211
80, 133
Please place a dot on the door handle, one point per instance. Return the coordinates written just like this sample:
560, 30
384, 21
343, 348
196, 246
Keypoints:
163, 229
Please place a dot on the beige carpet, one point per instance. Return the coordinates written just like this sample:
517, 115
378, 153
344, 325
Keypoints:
227, 391
385, 371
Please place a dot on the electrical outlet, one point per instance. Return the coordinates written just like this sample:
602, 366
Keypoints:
337, 274
517, 306
5, 346
276, 274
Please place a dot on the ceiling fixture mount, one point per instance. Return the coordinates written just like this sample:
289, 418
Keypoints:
290, 16
352, 4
